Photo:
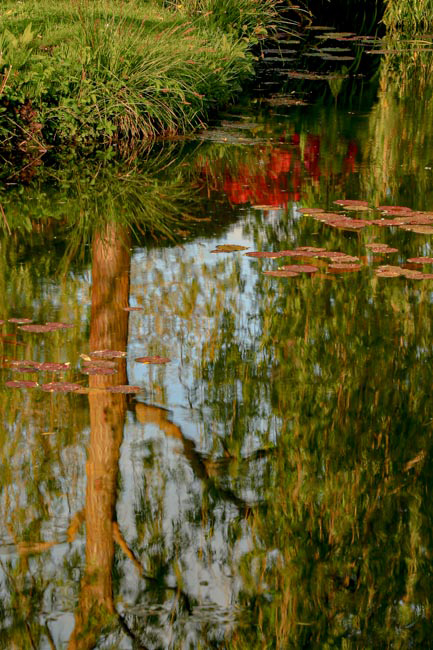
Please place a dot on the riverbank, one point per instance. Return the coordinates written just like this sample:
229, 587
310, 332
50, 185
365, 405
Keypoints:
85, 73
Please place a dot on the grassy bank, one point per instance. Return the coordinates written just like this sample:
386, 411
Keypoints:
94, 71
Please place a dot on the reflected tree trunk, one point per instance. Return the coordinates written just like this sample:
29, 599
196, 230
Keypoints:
108, 330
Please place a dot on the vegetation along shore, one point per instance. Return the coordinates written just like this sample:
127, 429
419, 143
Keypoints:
94, 71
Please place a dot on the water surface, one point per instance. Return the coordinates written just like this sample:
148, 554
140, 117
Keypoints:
270, 485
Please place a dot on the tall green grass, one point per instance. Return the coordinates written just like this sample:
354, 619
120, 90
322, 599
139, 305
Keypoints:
409, 17
93, 71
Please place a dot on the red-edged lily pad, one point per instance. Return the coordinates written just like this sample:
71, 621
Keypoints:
381, 248
229, 248
20, 321
155, 359
420, 230
388, 271
281, 273
348, 203
107, 354
311, 210
413, 275
300, 268
21, 384
50, 366
60, 387
420, 260
25, 369
98, 370
100, 363
311, 249
344, 268
266, 254
125, 389
394, 208
133, 308
42, 328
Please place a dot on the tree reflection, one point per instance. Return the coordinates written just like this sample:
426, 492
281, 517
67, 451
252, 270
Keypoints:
108, 331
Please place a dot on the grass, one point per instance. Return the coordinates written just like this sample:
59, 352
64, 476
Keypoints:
408, 17
92, 71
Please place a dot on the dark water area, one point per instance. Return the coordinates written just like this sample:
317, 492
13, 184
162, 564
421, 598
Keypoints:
209, 455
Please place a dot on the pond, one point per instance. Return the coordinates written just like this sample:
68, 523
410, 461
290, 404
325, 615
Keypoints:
195, 452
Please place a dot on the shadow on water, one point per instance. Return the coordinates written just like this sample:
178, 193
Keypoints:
269, 485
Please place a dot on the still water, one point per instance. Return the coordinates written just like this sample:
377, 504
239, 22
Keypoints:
267, 483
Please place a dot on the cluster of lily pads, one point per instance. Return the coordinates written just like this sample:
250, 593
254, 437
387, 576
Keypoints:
339, 261
417, 221
97, 362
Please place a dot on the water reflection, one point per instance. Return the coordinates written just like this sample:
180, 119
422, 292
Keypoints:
271, 485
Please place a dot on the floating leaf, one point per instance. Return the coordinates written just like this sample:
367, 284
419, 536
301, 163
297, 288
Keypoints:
47, 327
300, 268
281, 273
20, 321
17, 363
154, 359
381, 248
98, 370
344, 259
2, 322
311, 210
60, 387
21, 384
420, 260
25, 369
266, 254
347, 203
389, 271
344, 268
420, 230
229, 248
124, 389
394, 208
99, 363
412, 275
357, 207
107, 354
311, 249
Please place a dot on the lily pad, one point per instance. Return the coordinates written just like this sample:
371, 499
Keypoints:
229, 248
133, 308
21, 384
344, 268
300, 268
281, 273
42, 328
124, 389
99, 363
381, 248
265, 254
98, 370
60, 387
351, 203
412, 275
394, 208
155, 359
107, 354
311, 210
420, 260
419, 230
20, 321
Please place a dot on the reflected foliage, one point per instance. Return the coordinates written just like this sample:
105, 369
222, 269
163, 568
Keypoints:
270, 487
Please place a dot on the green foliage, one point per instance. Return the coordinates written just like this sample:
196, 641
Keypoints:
408, 17
91, 73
